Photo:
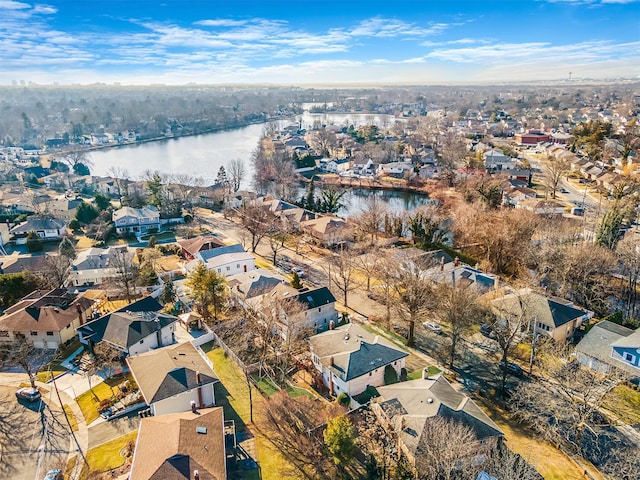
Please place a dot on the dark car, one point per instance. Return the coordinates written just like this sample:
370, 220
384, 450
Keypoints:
28, 394
510, 367
487, 331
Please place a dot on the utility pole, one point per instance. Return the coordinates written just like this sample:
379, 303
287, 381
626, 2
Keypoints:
533, 345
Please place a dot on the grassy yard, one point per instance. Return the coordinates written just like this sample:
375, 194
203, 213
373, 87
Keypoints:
233, 396
107, 456
265, 385
90, 400
624, 402
72, 418
431, 369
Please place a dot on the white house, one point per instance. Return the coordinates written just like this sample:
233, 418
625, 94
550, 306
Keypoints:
229, 260
350, 359
46, 228
137, 220
396, 169
97, 265
173, 378
496, 160
337, 165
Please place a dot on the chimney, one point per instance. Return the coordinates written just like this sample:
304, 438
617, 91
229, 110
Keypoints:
456, 262
453, 277
332, 325
158, 332
425, 373
196, 475
496, 282
199, 381
331, 361
193, 405
80, 318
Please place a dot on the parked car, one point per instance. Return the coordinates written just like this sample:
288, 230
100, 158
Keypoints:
54, 474
487, 331
433, 326
299, 271
28, 394
510, 367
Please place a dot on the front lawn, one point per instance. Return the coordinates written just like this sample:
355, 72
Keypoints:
108, 456
89, 401
72, 418
624, 402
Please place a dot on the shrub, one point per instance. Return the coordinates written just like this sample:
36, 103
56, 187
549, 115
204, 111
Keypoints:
34, 243
390, 375
104, 404
343, 399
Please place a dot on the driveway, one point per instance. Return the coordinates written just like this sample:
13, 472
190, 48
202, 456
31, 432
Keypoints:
102, 431
34, 437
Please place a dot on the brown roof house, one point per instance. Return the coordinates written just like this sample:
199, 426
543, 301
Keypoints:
45, 318
181, 446
174, 378
408, 407
328, 230
192, 246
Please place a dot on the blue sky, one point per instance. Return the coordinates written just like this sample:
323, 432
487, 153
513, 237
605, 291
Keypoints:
317, 42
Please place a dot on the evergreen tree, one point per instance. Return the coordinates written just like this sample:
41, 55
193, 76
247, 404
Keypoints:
168, 294
340, 439
34, 243
67, 249
86, 213
222, 178
310, 202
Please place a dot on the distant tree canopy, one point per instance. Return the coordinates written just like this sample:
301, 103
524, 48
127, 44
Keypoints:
86, 213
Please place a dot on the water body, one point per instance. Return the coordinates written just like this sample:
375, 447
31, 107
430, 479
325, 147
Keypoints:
397, 202
197, 155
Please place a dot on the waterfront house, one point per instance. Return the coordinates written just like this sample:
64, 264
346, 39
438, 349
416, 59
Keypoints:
138, 221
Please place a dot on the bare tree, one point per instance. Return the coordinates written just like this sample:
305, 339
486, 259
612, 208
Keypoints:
23, 354
55, 269
445, 450
107, 358
257, 221
371, 219
367, 262
121, 178
451, 151
554, 169
277, 235
386, 272
628, 252
562, 404
414, 294
236, 172
457, 306
341, 270
125, 272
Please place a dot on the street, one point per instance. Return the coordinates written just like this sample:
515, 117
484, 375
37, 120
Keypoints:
34, 437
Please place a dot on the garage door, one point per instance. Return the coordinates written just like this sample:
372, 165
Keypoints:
52, 345
38, 344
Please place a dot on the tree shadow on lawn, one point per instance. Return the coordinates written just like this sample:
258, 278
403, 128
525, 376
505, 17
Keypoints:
222, 400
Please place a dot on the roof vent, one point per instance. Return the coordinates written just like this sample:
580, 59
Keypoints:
429, 400
346, 336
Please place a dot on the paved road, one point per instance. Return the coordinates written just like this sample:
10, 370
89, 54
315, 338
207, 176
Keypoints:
34, 437
103, 431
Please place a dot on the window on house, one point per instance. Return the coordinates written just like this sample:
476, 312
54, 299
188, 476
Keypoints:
629, 357
141, 341
50, 334
320, 309
4, 333
34, 334
369, 373
228, 268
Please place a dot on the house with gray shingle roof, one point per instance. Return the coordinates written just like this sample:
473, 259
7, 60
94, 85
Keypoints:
46, 228
173, 377
409, 407
350, 359
602, 348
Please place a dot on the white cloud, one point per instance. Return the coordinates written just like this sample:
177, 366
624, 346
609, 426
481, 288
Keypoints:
44, 9
11, 5
221, 22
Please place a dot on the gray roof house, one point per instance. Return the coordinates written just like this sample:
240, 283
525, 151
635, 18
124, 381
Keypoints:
46, 228
409, 407
130, 332
174, 379
595, 350
136, 220
350, 359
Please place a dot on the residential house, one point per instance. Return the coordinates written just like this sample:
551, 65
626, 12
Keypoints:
553, 317
227, 260
46, 319
363, 166
542, 207
496, 160
516, 195
408, 408
396, 169
596, 351
130, 332
173, 377
192, 246
47, 229
96, 266
561, 138
338, 165
249, 285
350, 359
16, 263
137, 220
64, 208
181, 446
328, 230
627, 350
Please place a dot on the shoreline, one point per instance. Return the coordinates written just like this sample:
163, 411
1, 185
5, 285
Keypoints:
372, 184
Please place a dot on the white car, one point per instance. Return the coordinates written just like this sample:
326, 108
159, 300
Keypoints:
433, 326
